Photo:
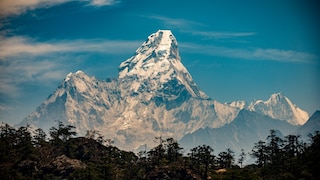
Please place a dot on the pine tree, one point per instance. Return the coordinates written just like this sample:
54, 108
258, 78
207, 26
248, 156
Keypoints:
242, 157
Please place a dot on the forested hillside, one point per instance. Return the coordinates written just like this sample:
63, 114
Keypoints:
63, 155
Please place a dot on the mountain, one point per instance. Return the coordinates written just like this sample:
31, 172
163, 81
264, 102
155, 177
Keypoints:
157, 66
277, 106
245, 130
154, 95
311, 126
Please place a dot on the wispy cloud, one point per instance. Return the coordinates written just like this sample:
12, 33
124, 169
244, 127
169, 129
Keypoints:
283, 55
176, 22
24, 60
222, 35
251, 53
17, 71
21, 46
16, 7
9, 7
192, 27
102, 2
4, 107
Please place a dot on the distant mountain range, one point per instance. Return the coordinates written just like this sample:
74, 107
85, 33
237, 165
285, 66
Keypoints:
154, 95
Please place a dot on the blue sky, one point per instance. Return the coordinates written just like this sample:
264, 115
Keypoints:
235, 50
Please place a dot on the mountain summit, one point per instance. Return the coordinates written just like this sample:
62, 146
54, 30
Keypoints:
159, 51
157, 65
154, 95
280, 107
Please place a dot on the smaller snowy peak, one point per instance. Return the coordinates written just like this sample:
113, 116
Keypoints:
80, 72
70, 75
280, 107
237, 104
79, 80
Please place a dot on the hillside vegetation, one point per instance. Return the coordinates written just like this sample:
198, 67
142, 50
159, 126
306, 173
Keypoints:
63, 155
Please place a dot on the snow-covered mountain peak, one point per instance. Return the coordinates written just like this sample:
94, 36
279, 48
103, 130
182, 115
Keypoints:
280, 107
157, 64
78, 74
162, 40
276, 97
78, 80
157, 54
153, 95
237, 104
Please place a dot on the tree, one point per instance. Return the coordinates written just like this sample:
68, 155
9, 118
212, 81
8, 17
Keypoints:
312, 155
173, 150
260, 152
292, 150
62, 134
23, 142
275, 153
157, 153
202, 156
242, 157
292, 146
226, 158
39, 137
7, 142
274, 148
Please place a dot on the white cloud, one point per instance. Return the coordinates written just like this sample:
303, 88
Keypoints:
102, 2
17, 71
176, 22
190, 27
283, 55
222, 35
250, 54
4, 107
16, 7
24, 60
21, 46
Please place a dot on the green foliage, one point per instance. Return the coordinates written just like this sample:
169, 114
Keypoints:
64, 156
203, 159
289, 158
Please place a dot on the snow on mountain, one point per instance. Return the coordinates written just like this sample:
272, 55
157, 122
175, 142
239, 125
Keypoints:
80, 100
153, 96
277, 106
156, 64
280, 107
237, 104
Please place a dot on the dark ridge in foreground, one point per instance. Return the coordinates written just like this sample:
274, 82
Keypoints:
64, 156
